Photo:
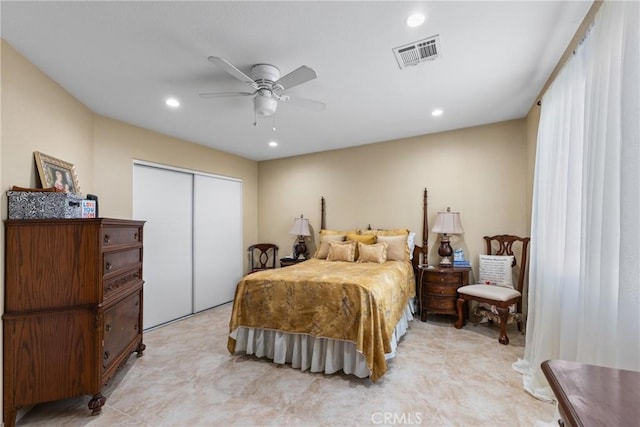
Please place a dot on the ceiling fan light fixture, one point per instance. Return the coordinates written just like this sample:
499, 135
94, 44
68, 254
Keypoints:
265, 105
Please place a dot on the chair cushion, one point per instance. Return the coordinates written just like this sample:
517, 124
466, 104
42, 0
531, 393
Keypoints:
496, 293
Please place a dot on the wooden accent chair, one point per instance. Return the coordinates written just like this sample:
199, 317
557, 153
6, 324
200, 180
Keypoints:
502, 298
262, 256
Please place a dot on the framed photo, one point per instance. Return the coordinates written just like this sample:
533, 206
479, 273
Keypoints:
56, 173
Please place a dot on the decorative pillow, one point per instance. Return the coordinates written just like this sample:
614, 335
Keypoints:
372, 253
411, 243
324, 232
359, 238
323, 249
496, 270
394, 232
366, 239
398, 250
342, 251
390, 232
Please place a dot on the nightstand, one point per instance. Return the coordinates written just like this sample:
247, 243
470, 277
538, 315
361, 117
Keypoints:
287, 261
437, 291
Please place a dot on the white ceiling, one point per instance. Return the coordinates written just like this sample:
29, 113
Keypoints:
122, 59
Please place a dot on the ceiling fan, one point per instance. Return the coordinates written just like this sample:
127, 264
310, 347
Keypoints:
268, 87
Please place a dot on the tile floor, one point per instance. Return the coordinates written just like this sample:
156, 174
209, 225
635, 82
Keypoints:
440, 377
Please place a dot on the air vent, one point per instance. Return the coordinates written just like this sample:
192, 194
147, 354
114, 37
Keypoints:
417, 52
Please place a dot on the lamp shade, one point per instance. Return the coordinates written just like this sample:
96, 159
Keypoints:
300, 227
448, 223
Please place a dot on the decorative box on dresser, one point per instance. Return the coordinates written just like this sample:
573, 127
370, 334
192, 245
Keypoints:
438, 289
73, 308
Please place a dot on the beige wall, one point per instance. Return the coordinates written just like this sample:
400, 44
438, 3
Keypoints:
480, 172
118, 144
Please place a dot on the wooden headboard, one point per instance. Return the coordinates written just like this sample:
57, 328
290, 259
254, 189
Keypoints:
425, 229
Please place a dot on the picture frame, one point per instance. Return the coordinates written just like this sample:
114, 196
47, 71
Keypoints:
56, 173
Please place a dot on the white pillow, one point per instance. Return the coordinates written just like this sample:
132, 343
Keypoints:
496, 270
411, 241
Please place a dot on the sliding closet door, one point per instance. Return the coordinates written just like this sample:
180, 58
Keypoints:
164, 198
217, 240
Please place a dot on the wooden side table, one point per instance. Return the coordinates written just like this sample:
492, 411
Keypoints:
285, 262
438, 290
591, 395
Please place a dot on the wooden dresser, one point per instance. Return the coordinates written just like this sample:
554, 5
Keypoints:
590, 395
73, 308
438, 289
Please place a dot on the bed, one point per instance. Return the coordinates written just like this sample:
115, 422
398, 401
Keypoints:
331, 313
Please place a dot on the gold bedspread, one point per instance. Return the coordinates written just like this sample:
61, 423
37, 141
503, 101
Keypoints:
357, 302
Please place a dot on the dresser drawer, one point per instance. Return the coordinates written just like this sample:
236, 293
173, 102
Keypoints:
434, 277
112, 236
116, 261
121, 328
122, 283
445, 290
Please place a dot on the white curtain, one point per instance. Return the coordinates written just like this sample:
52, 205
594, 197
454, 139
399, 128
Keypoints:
584, 277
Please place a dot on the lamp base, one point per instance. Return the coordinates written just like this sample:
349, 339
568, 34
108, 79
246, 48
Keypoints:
445, 251
300, 248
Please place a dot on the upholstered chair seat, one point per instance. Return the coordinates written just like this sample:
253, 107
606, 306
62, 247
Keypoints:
494, 293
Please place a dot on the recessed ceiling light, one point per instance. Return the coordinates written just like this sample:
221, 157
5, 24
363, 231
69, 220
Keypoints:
172, 102
273, 144
437, 112
415, 20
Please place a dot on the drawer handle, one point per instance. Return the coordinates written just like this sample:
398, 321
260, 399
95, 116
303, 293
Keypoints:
107, 327
107, 355
135, 327
135, 237
108, 266
107, 238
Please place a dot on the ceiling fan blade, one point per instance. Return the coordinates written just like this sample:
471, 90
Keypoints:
309, 104
296, 77
208, 95
233, 71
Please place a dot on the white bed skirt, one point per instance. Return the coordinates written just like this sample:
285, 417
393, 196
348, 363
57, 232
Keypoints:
313, 353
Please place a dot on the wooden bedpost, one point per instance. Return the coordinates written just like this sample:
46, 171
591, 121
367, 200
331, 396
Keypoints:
323, 213
425, 228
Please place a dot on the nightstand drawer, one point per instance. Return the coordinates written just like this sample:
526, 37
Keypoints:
435, 277
447, 290
441, 303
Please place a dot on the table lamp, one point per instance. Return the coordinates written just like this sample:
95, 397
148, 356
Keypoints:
301, 229
447, 223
